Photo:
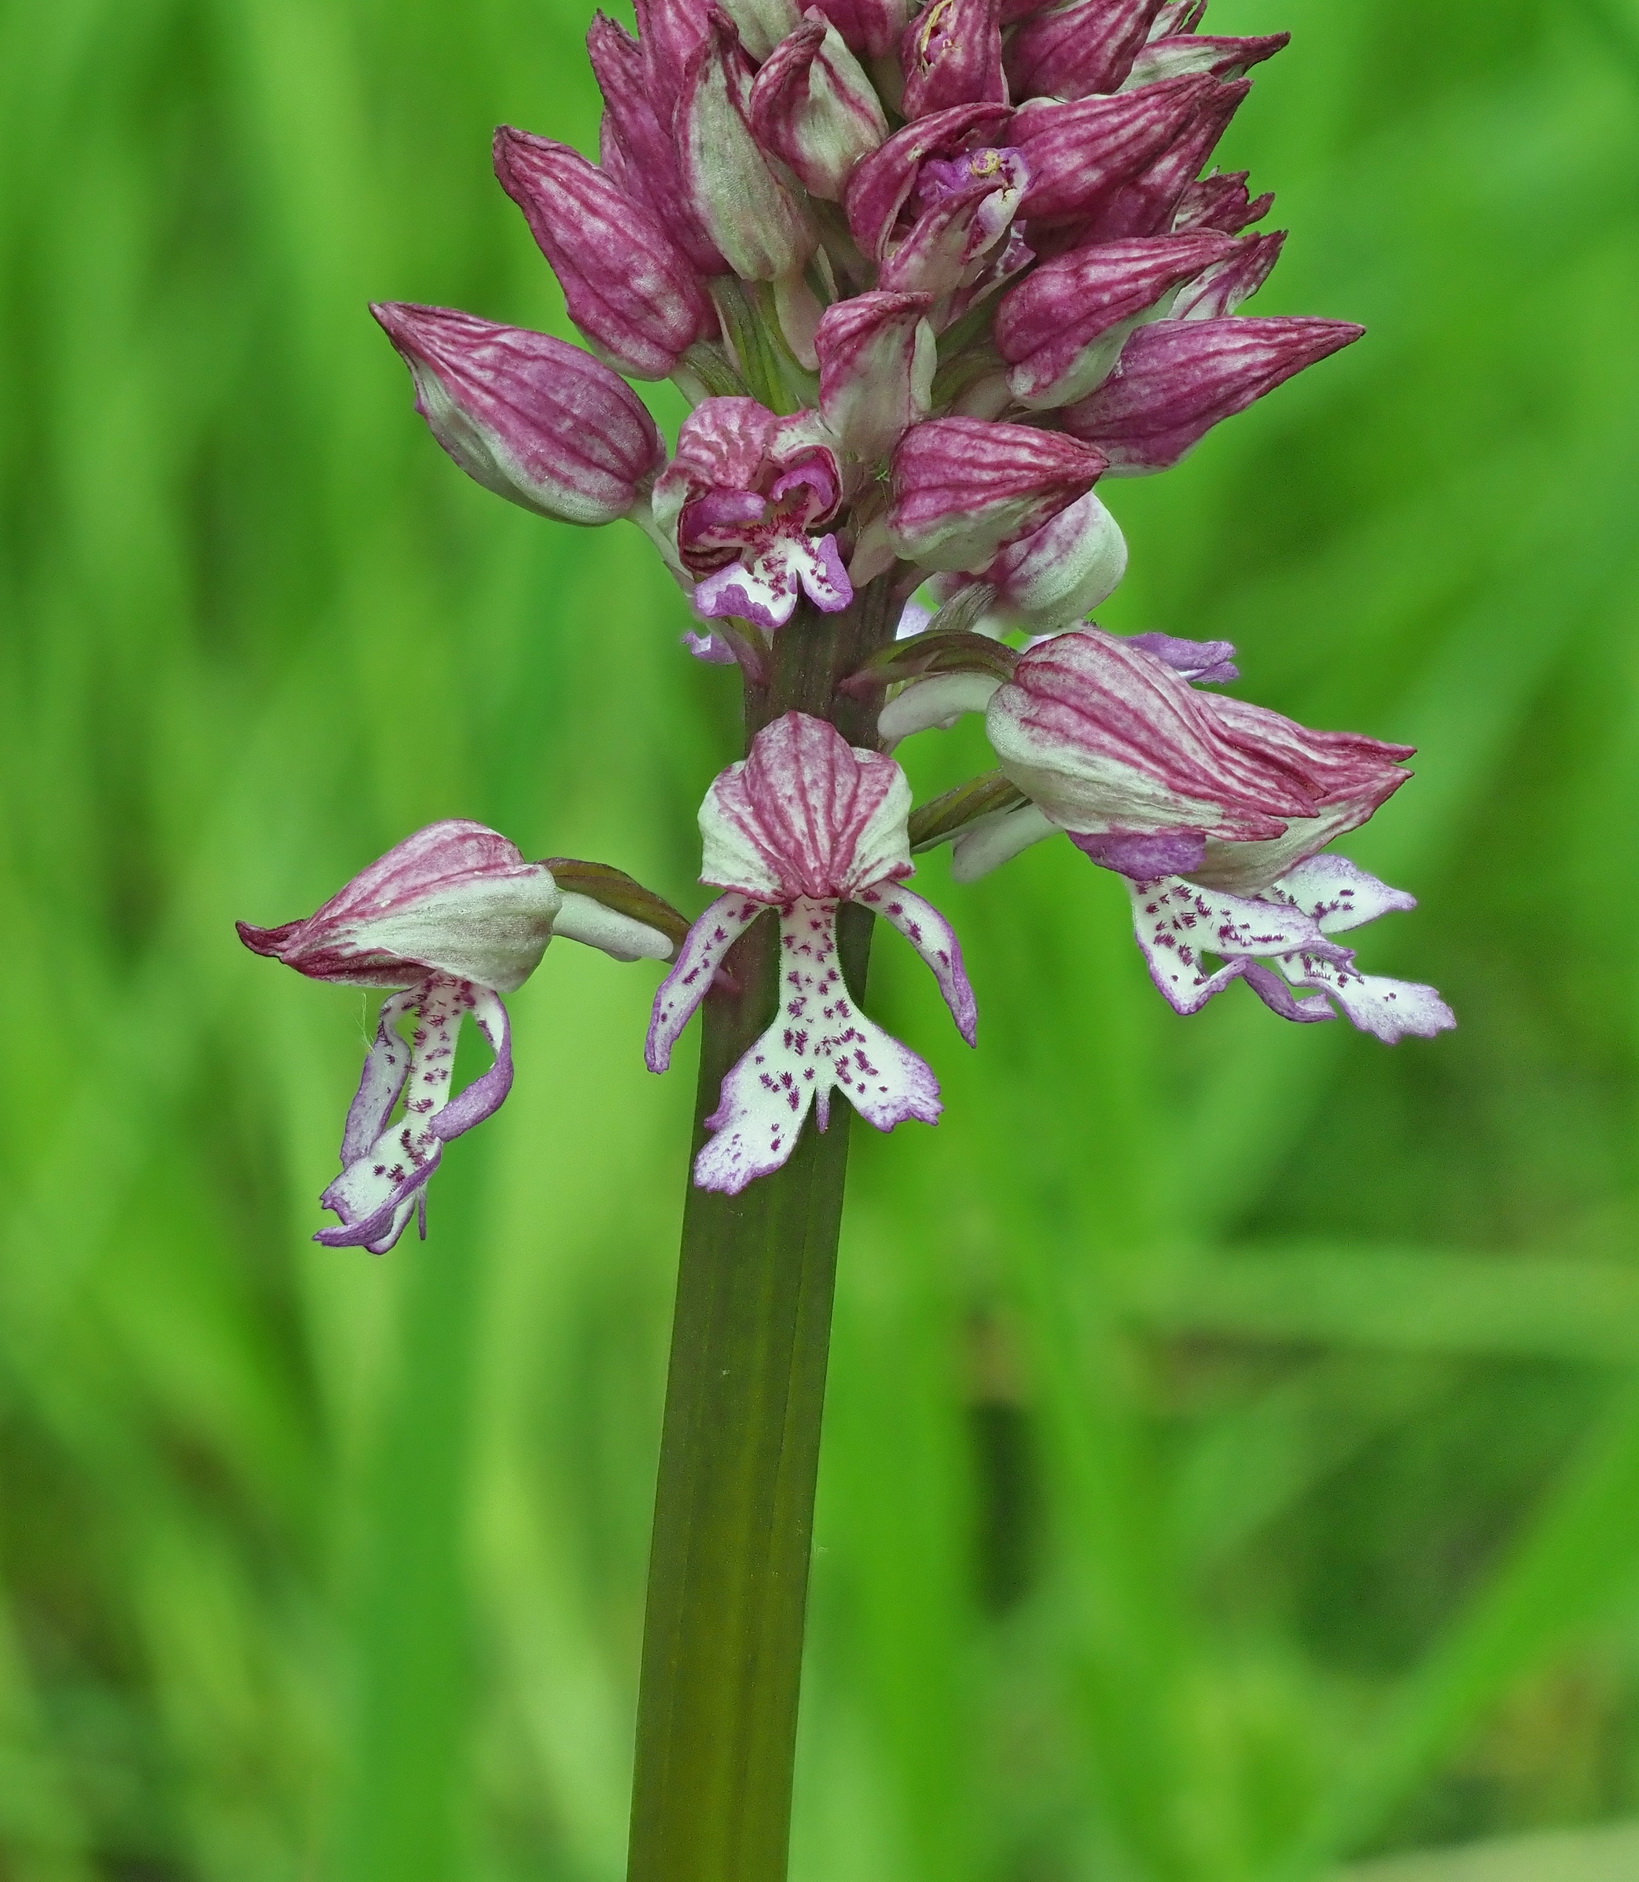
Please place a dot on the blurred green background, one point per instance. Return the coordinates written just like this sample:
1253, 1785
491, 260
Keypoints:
1233, 1452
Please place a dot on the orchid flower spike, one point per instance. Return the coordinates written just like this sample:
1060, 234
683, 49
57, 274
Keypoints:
804, 824
447, 921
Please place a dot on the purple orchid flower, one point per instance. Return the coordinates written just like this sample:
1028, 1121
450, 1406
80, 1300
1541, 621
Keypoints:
449, 920
806, 823
742, 500
933, 206
1213, 809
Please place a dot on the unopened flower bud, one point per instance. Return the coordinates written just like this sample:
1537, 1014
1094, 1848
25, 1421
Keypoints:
1148, 202
1198, 52
1059, 573
813, 105
762, 24
1076, 50
629, 288
748, 212
1177, 379
1226, 284
1221, 202
1061, 329
669, 32
952, 55
648, 155
876, 363
532, 418
872, 28
1080, 152
962, 487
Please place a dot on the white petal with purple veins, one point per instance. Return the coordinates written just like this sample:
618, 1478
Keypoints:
819, 1041
1392, 1009
1178, 923
698, 960
1340, 895
378, 1189
489, 929
935, 940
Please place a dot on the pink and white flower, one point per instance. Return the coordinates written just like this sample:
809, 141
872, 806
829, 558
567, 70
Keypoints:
804, 824
1214, 810
449, 920
742, 501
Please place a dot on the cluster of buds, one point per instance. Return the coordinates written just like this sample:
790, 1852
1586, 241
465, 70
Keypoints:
926, 274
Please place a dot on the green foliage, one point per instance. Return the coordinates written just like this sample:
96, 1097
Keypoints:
1233, 1457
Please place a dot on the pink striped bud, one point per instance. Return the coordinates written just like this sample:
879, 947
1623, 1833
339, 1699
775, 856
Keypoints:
1059, 573
1197, 52
1148, 203
1178, 17
1228, 283
1061, 329
872, 28
877, 356
952, 55
748, 212
647, 156
629, 288
1076, 50
762, 24
813, 105
670, 32
1220, 202
1082, 152
533, 419
962, 487
1178, 378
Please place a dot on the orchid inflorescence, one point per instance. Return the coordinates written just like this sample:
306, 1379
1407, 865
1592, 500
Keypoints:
925, 275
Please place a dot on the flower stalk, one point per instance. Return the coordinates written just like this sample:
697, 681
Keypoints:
745, 1392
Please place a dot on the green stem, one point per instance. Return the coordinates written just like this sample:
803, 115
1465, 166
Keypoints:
739, 1454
